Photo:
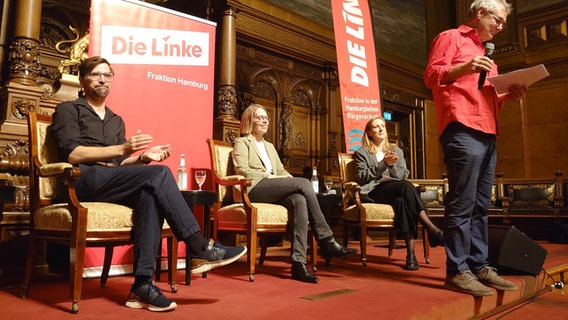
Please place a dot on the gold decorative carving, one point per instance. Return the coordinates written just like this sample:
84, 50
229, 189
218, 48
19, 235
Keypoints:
263, 31
332, 140
558, 30
21, 107
535, 34
298, 163
285, 124
264, 89
545, 33
301, 98
76, 51
231, 135
14, 157
23, 59
227, 102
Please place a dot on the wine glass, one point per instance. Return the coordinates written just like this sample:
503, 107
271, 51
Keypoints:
328, 183
200, 176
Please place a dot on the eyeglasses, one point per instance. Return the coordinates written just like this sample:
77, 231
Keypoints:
262, 118
97, 76
498, 20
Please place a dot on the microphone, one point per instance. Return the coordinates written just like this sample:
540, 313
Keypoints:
489, 47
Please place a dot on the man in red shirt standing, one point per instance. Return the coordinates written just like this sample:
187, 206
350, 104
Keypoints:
467, 122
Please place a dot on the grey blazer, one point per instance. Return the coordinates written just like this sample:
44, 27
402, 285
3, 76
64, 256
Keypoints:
370, 171
248, 163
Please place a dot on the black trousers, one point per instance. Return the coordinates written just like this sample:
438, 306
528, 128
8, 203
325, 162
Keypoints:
153, 194
406, 202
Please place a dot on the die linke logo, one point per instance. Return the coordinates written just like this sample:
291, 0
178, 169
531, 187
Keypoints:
130, 45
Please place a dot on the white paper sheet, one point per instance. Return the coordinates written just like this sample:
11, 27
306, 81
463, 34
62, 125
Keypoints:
526, 76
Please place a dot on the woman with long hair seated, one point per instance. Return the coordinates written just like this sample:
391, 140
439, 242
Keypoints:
381, 172
257, 160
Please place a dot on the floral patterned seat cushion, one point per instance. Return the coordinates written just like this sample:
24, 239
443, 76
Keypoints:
267, 213
101, 216
376, 212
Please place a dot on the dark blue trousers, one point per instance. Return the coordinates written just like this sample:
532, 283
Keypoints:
153, 194
470, 158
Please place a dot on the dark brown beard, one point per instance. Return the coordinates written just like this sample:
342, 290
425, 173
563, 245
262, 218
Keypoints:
102, 92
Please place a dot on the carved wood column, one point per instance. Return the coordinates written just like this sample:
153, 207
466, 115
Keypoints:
226, 125
20, 94
23, 57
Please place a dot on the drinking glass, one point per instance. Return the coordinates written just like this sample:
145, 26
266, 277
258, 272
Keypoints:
21, 198
200, 176
328, 183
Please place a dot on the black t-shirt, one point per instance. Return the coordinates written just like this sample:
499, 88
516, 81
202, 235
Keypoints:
75, 123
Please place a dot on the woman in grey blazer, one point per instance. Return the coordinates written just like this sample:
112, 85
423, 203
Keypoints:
257, 160
381, 172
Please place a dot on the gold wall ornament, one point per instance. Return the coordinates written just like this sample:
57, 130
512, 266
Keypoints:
21, 107
14, 158
77, 52
227, 101
23, 60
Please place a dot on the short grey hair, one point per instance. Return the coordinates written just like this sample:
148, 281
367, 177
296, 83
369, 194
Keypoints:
489, 5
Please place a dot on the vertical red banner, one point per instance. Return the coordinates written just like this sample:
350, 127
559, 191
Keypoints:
164, 63
357, 64
164, 66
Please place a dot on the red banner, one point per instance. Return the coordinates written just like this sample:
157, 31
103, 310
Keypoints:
357, 64
164, 64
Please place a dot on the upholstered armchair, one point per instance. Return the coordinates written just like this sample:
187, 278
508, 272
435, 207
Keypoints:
364, 215
238, 214
57, 215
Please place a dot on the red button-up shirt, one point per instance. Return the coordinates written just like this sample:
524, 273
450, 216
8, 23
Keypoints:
460, 100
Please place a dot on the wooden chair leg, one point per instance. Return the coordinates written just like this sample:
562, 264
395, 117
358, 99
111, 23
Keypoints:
426, 245
251, 253
263, 248
30, 260
172, 263
345, 234
109, 250
314, 251
363, 242
392, 241
77, 259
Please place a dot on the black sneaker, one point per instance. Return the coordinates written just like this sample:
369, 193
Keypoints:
215, 255
148, 296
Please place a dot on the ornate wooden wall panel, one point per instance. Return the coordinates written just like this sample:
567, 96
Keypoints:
532, 132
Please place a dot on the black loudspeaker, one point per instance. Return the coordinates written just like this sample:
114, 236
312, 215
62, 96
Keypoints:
512, 252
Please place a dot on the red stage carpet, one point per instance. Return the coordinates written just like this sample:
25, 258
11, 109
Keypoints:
347, 290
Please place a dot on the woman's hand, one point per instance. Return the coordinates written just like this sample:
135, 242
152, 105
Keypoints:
390, 158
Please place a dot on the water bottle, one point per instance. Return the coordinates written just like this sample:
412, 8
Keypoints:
315, 180
182, 174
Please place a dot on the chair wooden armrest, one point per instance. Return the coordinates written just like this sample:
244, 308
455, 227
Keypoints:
228, 181
351, 192
53, 169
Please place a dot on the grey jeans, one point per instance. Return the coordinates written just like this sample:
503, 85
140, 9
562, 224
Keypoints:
297, 195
